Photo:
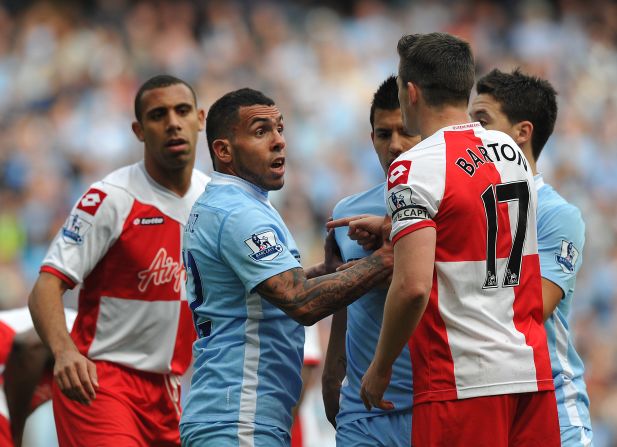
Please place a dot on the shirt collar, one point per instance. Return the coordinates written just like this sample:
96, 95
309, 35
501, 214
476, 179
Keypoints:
538, 181
219, 178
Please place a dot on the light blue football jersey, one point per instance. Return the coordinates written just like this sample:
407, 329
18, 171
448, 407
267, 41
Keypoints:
249, 353
561, 237
364, 319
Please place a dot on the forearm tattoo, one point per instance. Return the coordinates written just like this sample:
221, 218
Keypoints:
314, 299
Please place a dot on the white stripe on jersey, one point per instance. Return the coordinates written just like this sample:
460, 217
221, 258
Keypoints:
477, 338
118, 321
4, 409
248, 392
569, 389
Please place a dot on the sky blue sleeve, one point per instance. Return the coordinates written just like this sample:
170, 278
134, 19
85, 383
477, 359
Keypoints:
561, 238
254, 245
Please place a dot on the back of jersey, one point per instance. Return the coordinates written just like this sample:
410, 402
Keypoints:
482, 331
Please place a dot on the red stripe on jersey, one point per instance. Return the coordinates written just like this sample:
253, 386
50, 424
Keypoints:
7, 334
528, 319
184, 340
144, 263
412, 228
49, 269
88, 307
433, 367
461, 223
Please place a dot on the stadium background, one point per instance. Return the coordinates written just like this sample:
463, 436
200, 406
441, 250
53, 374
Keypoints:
69, 71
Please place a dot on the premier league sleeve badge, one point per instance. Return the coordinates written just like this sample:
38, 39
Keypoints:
264, 246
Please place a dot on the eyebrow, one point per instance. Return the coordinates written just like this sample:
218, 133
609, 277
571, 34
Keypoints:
265, 120
181, 104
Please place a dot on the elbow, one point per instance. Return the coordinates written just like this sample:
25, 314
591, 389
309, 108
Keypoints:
306, 318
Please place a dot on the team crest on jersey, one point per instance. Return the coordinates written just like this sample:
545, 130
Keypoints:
75, 228
398, 173
91, 201
402, 207
567, 257
264, 246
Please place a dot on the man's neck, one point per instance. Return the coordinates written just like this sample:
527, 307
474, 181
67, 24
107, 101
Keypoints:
431, 119
177, 181
528, 152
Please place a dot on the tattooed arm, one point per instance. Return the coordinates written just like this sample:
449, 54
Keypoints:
309, 300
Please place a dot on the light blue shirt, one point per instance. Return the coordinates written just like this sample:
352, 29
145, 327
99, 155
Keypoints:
561, 237
364, 318
249, 353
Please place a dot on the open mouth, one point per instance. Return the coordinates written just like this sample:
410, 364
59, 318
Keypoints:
278, 163
176, 143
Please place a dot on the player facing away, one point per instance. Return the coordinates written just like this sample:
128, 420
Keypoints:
116, 374
355, 330
465, 292
250, 300
525, 108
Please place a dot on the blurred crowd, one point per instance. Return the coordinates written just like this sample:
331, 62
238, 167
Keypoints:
69, 71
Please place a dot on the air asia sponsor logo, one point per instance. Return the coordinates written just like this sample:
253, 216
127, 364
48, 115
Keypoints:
398, 173
158, 220
402, 207
567, 257
91, 201
75, 228
264, 246
162, 270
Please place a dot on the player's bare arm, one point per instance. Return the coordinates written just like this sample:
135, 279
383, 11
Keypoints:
551, 297
335, 366
405, 303
309, 300
74, 373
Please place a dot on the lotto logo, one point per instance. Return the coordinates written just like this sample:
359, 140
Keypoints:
91, 201
398, 173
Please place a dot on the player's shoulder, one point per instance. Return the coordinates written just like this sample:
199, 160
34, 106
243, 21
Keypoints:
551, 203
555, 211
359, 200
199, 178
113, 191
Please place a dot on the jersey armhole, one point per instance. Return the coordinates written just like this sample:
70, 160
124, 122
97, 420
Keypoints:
57, 273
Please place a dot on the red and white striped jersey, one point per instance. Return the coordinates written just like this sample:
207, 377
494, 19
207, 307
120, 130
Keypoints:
482, 331
123, 241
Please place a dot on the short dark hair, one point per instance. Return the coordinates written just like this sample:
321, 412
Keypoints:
524, 98
440, 64
158, 81
224, 114
385, 98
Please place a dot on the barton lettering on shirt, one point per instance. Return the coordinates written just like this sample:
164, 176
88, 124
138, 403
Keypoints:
495, 152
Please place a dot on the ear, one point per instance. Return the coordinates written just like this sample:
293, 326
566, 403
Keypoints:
138, 130
222, 150
201, 116
412, 93
523, 132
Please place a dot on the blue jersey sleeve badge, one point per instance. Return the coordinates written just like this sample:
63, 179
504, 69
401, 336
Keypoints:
264, 246
567, 257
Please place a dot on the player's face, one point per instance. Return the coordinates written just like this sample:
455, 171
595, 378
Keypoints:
487, 111
258, 147
389, 136
169, 127
406, 112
